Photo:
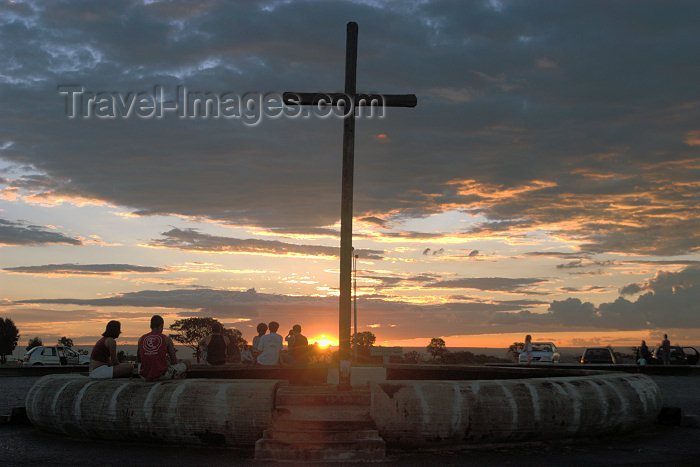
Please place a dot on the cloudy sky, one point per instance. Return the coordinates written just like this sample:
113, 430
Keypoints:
546, 183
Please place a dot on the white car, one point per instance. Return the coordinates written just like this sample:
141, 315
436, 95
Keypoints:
54, 355
542, 352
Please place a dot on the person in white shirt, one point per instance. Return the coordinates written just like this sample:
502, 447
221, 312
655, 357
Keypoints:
270, 346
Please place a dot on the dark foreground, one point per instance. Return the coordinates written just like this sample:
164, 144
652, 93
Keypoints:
659, 445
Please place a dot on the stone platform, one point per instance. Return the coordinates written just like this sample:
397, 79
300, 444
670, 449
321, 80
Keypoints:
321, 423
317, 422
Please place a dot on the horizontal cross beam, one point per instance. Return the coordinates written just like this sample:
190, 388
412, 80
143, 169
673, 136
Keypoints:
340, 98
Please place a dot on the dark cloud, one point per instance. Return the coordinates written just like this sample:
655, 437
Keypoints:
679, 262
588, 288
546, 107
497, 284
193, 240
26, 314
554, 254
673, 301
665, 282
19, 233
312, 231
389, 280
580, 263
376, 221
631, 289
85, 269
398, 319
572, 264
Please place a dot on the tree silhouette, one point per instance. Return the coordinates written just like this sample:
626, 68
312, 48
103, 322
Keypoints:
65, 341
412, 357
436, 348
33, 342
9, 335
364, 341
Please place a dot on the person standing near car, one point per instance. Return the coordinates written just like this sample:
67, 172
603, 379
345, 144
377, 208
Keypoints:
666, 350
104, 363
528, 348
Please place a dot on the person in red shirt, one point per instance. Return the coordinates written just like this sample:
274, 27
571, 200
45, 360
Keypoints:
156, 355
104, 363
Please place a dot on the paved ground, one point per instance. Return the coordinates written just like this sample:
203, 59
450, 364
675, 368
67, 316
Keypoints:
25, 446
680, 391
13, 391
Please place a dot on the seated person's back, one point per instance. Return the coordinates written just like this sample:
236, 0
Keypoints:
216, 345
298, 345
154, 350
270, 346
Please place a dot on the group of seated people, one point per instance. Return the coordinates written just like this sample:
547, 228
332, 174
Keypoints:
155, 355
157, 361
267, 347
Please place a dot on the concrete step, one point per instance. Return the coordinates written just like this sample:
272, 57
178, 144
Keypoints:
320, 412
272, 449
321, 424
291, 424
308, 436
321, 395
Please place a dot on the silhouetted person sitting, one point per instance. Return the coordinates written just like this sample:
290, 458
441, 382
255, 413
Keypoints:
262, 329
156, 354
270, 346
104, 363
216, 345
247, 355
298, 346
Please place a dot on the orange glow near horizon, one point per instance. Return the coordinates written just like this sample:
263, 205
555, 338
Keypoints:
324, 341
600, 338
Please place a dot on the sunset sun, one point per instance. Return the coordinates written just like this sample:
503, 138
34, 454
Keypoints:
324, 341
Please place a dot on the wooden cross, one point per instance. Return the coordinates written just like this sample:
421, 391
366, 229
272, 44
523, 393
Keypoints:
343, 99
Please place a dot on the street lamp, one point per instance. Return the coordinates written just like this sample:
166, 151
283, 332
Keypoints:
355, 300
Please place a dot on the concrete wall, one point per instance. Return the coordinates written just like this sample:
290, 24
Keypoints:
192, 411
359, 375
423, 413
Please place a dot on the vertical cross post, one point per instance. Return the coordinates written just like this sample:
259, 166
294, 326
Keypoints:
344, 320
350, 99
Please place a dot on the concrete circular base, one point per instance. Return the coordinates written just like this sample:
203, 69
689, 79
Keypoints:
421, 413
192, 411
413, 413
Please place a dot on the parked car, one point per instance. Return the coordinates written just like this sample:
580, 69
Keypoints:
542, 352
679, 356
598, 355
54, 355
